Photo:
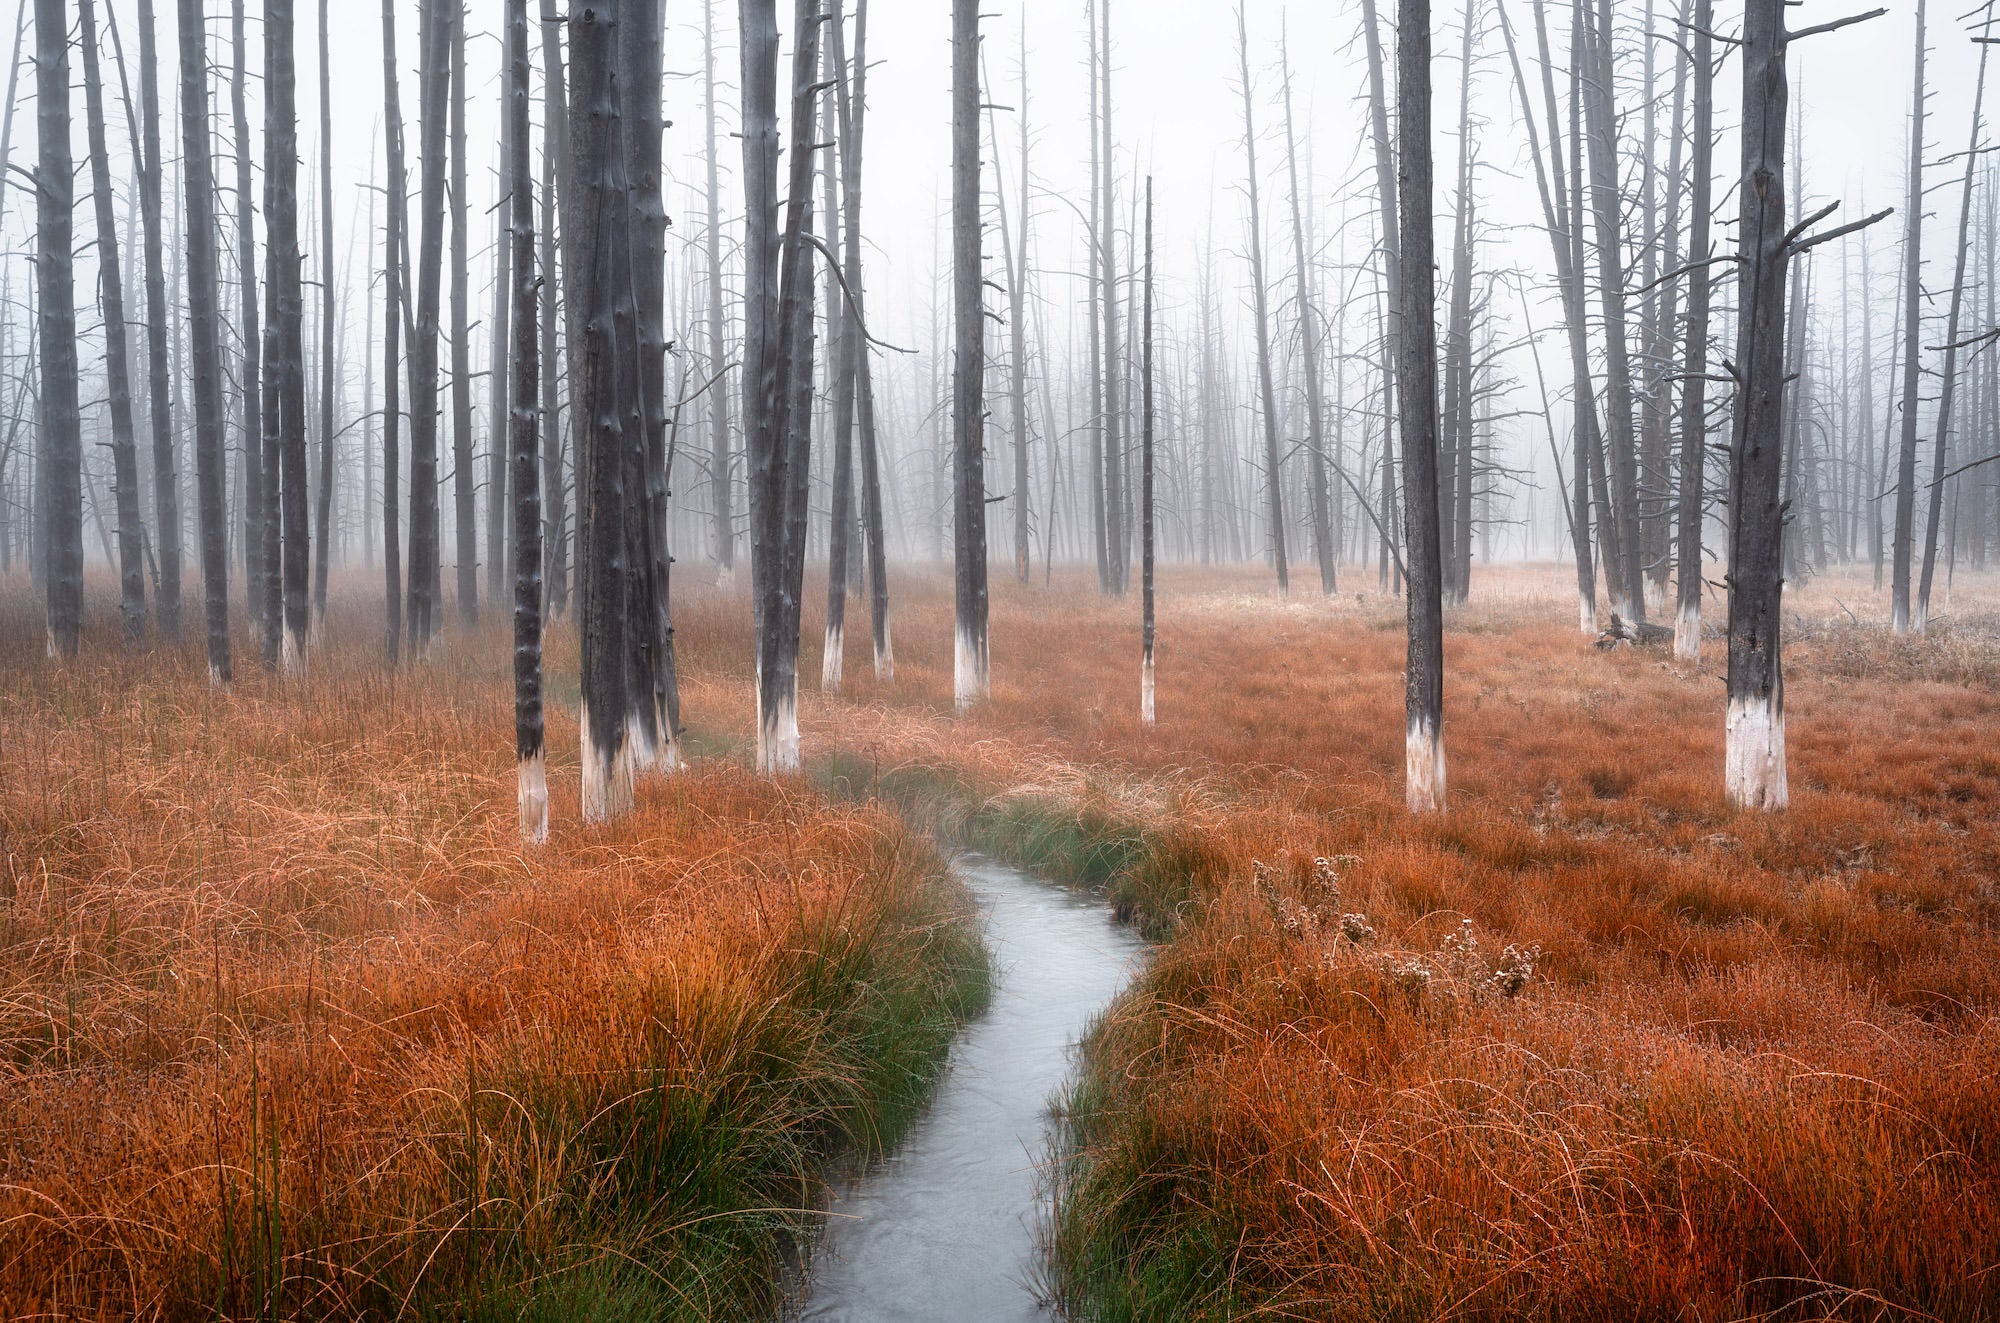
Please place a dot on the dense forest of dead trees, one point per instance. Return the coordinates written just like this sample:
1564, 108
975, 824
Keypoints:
1369, 389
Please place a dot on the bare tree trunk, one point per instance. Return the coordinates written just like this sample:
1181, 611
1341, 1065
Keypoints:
435, 38
971, 681
259, 526
720, 459
1116, 537
160, 416
1392, 263
1099, 396
1694, 367
1146, 706
1902, 618
324, 515
499, 426
1417, 376
1940, 448
532, 781
60, 478
1455, 509
199, 239
111, 290
1260, 300
1017, 317
598, 241
465, 502
841, 352
287, 364
556, 530
392, 328
1316, 442
852, 138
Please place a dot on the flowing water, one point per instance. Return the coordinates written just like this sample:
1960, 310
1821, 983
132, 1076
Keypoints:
945, 1228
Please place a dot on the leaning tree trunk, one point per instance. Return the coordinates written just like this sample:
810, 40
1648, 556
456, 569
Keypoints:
111, 291
323, 516
532, 791
600, 244
1417, 382
1694, 379
281, 171
971, 681
1260, 303
465, 501
204, 330
60, 478
1146, 709
392, 358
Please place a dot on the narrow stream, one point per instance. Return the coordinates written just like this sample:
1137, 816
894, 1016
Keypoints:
945, 1228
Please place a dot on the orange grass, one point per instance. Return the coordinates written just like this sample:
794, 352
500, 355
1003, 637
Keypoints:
1756, 1072
291, 1023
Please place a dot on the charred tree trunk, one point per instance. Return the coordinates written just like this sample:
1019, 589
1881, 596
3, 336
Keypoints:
555, 519
258, 528
720, 461
1417, 376
532, 790
1260, 301
1901, 617
970, 676
285, 279
434, 38
1694, 368
855, 93
1146, 712
111, 290
499, 423
59, 478
842, 347
1316, 442
199, 239
465, 502
160, 416
1017, 328
392, 329
323, 517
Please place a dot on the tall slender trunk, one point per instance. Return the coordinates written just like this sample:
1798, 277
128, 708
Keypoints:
1260, 301
392, 329
200, 245
852, 138
256, 486
111, 291
285, 278
1941, 445
324, 515
59, 478
1424, 768
1455, 511
971, 682
1099, 398
1316, 441
1146, 706
1116, 548
435, 40
842, 336
720, 456
499, 427
1388, 228
1901, 617
1755, 771
531, 757
555, 520
465, 501
1017, 317
160, 414
1694, 365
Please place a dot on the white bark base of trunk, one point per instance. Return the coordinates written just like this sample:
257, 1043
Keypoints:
1424, 768
1586, 614
49, 634
1656, 597
885, 660
970, 682
645, 750
1920, 617
669, 754
1146, 690
778, 735
532, 795
830, 661
1687, 633
607, 783
725, 578
292, 654
1755, 771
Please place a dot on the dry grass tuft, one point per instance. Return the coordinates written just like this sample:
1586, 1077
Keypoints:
291, 1023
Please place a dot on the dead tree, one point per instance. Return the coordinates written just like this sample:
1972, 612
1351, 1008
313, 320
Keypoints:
166, 478
1017, 318
434, 96
1947, 393
1456, 442
532, 789
971, 682
203, 326
500, 385
1755, 771
555, 504
1316, 440
465, 502
323, 515
720, 459
841, 352
285, 356
256, 486
559, 184
1694, 364
118, 376
1146, 707
1260, 304
60, 476
392, 329
1424, 768
1392, 262
1901, 617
